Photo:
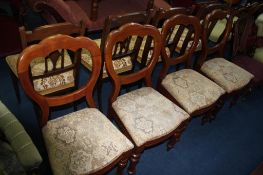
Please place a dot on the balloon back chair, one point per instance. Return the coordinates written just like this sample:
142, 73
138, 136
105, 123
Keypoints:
120, 65
138, 112
80, 142
46, 83
232, 78
195, 93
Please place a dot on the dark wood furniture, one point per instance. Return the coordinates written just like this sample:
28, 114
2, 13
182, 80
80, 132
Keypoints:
93, 12
245, 42
46, 83
120, 65
232, 78
84, 141
139, 113
196, 94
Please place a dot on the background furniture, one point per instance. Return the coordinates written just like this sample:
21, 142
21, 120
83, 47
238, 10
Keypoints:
18, 152
94, 12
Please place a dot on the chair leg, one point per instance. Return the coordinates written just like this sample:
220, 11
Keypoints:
15, 85
176, 137
99, 91
121, 166
134, 161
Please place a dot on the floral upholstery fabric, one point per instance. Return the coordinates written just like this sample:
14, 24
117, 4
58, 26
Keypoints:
148, 115
259, 23
121, 65
83, 142
226, 74
191, 89
258, 55
49, 84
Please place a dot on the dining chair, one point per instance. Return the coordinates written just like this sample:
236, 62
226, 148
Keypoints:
145, 116
244, 48
213, 64
120, 65
195, 93
46, 83
80, 142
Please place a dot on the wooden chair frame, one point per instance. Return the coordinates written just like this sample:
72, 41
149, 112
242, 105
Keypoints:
209, 112
219, 48
143, 74
47, 46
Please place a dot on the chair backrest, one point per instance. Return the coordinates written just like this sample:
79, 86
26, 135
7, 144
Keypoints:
42, 32
43, 49
242, 32
157, 21
162, 15
205, 9
114, 22
192, 26
119, 36
56, 62
218, 48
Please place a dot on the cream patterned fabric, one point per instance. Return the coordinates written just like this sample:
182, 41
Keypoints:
50, 84
121, 65
226, 74
83, 142
191, 89
148, 115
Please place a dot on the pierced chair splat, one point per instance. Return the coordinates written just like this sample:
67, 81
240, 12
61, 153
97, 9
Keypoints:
138, 112
80, 142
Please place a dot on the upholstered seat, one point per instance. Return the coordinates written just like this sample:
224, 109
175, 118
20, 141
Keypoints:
148, 115
120, 65
49, 84
83, 142
226, 74
191, 89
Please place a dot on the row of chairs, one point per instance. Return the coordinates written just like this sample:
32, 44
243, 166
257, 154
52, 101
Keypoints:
47, 85
85, 141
